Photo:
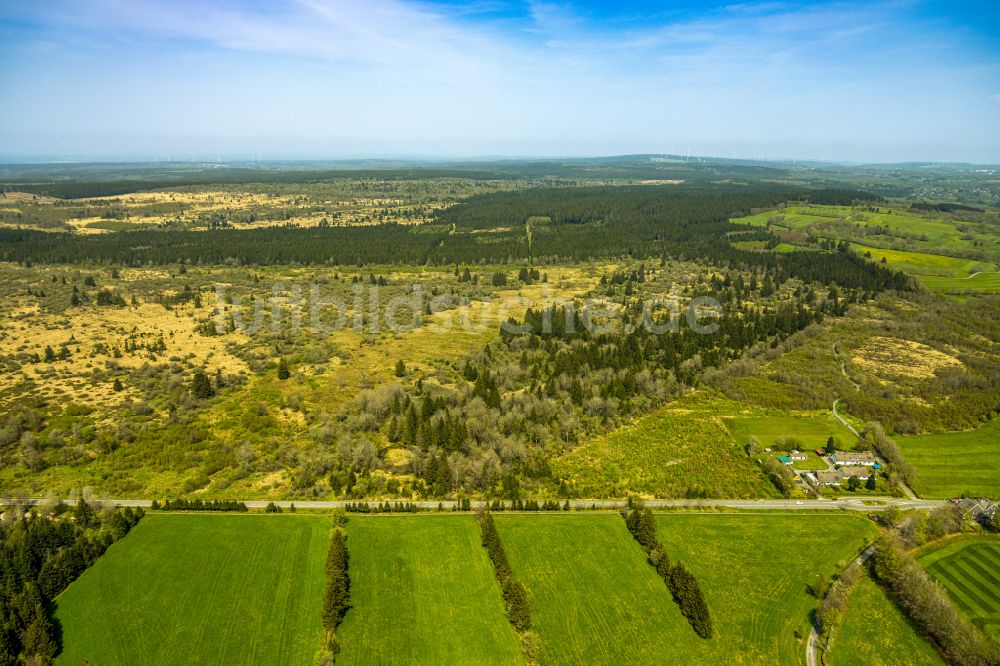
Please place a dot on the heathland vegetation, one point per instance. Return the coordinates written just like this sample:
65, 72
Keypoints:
539, 336
144, 362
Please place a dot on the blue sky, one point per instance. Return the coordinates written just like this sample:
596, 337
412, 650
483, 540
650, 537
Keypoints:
858, 81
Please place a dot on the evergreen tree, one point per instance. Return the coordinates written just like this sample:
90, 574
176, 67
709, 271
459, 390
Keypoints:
687, 594
337, 596
201, 388
10, 646
514, 594
39, 638
283, 371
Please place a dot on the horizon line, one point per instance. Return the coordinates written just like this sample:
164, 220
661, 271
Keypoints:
220, 159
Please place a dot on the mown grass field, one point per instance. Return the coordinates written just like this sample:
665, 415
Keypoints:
201, 589
423, 592
595, 600
811, 430
953, 463
922, 263
753, 570
793, 217
680, 450
876, 632
981, 283
969, 568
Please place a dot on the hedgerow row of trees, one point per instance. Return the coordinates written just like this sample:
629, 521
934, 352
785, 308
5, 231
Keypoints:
929, 607
890, 451
682, 584
833, 600
39, 557
381, 507
337, 593
182, 504
514, 595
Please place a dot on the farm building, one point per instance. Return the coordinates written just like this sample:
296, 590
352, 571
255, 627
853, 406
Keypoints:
829, 478
798, 455
852, 458
862, 472
785, 459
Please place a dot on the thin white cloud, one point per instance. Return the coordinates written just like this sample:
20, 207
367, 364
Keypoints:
482, 79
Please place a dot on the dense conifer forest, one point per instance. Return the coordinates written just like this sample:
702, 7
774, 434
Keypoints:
543, 225
39, 557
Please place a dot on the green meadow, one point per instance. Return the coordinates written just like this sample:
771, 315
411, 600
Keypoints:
754, 570
877, 632
925, 237
925, 264
792, 217
953, 463
969, 568
201, 589
930, 231
976, 283
423, 591
811, 431
595, 600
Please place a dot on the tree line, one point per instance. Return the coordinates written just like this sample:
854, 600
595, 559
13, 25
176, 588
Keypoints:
929, 606
682, 583
514, 595
381, 507
39, 557
337, 592
833, 600
181, 504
